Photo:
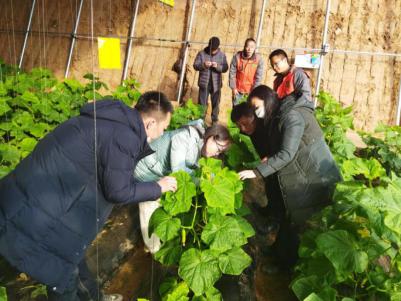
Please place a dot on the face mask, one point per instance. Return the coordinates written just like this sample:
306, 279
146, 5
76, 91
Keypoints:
260, 112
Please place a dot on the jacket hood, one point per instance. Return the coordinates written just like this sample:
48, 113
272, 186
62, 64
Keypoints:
116, 111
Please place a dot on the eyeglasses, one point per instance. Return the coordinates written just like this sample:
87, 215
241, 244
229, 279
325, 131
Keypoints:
277, 63
221, 148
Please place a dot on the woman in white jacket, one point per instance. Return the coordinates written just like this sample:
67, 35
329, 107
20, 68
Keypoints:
177, 150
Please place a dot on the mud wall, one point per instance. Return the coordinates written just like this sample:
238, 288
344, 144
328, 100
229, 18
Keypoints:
369, 83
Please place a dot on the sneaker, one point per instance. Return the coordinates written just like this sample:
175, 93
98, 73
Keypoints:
112, 297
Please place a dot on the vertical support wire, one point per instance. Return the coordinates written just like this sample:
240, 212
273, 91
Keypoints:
130, 38
74, 33
261, 19
323, 51
184, 61
398, 116
28, 29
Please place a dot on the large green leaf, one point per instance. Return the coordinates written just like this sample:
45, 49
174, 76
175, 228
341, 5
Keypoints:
234, 261
211, 294
200, 269
169, 253
179, 292
371, 168
181, 200
4, 107
9, 153
3, 294
223, 233
164, 225
246, 227
342, 251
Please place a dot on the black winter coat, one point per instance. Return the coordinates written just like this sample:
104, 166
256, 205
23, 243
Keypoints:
52, 206
303, 163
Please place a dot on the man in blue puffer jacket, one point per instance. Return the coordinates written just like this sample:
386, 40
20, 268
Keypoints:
57, 199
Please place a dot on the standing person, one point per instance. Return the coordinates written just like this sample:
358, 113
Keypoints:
304, 167
289, 79
177, 150
246, 71
53, 204
211, 62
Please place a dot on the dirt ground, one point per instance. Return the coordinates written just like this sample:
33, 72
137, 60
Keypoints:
369, 83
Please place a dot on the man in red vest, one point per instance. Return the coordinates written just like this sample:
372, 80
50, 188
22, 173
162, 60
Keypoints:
246, 71
289, 79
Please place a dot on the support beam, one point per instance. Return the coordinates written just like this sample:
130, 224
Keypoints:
324, 51
186, 47
261, 19
74, 36
398, 116
129, 44
28, 30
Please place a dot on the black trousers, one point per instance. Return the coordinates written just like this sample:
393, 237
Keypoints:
215, 96
81, 286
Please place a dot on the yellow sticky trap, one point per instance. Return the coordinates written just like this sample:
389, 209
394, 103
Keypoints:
168, 2
109, 53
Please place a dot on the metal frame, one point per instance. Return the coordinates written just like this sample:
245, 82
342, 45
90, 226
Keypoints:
184, 61
398, 115
130, 38
324, 51
261, 19
28, 29
74, 36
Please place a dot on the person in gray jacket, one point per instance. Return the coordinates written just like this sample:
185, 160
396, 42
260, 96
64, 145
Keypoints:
177, 150
211, 62
289, 79
302, 163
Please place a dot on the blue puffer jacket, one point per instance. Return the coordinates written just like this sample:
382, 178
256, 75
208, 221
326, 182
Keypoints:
48, 204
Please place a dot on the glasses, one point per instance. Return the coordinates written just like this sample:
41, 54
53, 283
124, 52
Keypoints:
221, 148
277, 63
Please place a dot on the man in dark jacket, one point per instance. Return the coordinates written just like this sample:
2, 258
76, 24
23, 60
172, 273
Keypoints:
289, 79
211, 62
57, 199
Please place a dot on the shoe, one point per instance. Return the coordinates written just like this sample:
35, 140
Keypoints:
112, 297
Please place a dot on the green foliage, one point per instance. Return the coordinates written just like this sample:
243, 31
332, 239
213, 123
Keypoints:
33, 103
352, 249
202, 233
3, 294
186, 113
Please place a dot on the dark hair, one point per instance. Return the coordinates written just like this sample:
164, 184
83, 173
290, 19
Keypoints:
219, 132
153, 103
277, 52
270, 100
242, 110
214, 43
247, 41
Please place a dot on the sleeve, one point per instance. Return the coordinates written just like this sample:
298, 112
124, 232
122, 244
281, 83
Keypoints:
292, 132
117, 159
223, 67
181, 143
302, 84
198, 64
259, 72
233, 73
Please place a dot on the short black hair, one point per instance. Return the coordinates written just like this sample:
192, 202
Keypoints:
154, 102
277, 52
244, 109
214, 43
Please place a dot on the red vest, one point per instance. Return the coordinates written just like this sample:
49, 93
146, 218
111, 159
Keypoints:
246, 71
286, 87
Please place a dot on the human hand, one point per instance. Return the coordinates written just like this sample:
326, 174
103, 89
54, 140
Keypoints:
168, 184
247, 174
208, 64
214, 64
235, 92
264, 160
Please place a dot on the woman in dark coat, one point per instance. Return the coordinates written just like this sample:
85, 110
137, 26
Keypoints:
305, 170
